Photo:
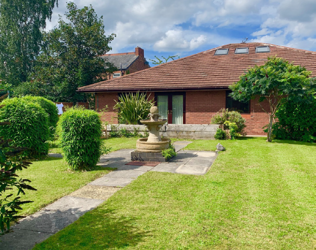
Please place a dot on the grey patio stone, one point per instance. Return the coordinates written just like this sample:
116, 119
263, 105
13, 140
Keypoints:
138, 168
95, 192
166, 167
112, 182
22, 239
178, 145
133, 174
78, 205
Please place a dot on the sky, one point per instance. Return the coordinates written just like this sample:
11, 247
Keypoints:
186, 27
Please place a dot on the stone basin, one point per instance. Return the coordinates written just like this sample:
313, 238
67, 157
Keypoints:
142, 145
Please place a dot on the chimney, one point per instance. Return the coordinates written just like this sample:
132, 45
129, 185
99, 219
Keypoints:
139, 52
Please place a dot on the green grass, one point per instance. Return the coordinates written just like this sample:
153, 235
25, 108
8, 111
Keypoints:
257, 195
53, 180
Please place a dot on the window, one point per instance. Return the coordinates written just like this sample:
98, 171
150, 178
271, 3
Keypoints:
115, 75
233, 105
263, 49
221, 52
242, 50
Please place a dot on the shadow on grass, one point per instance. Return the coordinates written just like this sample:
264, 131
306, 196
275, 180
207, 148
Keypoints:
98, 229
294, 142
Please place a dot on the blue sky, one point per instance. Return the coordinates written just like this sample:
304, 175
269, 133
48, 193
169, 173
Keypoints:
185, 27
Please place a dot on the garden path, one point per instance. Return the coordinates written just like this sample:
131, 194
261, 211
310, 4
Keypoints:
56, 216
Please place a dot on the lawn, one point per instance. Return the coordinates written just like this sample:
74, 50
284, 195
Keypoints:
257, 195
53, 180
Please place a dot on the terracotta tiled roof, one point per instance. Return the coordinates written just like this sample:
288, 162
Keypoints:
203, 70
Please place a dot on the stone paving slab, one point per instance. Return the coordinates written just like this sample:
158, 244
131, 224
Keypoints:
192, 170
49, 221
78, 205
112, 182
95, 192
165, 167
125, 174
178, 145
22, 239
131, 167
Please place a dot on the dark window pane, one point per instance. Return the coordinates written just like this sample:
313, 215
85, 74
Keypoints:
233, 105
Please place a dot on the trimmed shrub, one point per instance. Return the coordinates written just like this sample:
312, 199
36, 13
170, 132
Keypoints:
29, 126
296, 121
80, 137
50, 109
232, 116
220, 134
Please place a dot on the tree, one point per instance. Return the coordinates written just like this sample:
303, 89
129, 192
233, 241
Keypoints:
21, 22
159, 61
71, 56
275, 82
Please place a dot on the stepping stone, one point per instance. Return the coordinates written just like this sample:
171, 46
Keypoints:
55, 155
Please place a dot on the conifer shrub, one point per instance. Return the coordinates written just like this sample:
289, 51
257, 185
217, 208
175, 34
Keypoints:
80, 138
28, 126
49, 107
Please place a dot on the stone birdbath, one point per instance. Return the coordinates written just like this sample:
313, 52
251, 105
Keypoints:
149, 149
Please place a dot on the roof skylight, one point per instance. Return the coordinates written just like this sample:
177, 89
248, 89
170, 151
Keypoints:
263, 49
244, 50
221, 52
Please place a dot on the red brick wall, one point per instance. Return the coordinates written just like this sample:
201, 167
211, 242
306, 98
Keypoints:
201, 106
103, 99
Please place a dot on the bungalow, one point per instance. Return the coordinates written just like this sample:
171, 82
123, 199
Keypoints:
191, 90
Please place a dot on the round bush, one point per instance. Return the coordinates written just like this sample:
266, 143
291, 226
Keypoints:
80, 137
232, 116
28, 126
49, 107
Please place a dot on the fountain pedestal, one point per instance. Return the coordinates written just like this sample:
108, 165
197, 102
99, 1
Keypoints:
149, 149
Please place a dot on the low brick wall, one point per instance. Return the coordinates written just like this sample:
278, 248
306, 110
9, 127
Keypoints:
183, 131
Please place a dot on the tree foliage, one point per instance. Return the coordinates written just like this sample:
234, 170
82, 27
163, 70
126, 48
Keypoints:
70, 56
21, 22
275, 82
158, 61
296, 121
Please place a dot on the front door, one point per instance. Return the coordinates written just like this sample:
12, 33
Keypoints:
171, 107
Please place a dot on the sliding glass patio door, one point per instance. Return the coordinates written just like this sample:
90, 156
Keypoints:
171, 107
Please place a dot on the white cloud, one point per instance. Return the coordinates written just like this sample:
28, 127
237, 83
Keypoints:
179, 25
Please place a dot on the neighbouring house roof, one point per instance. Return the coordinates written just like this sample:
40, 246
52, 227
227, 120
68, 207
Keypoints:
204, 70
120, 61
